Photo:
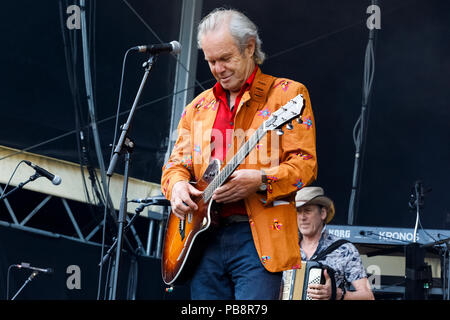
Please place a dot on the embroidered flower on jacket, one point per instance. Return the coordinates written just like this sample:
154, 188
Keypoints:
187, 162
200, 103
264, 259
304, 156
284, 84
276, 225
307, 122
264, 113
270, 179
197, 149
299, 184
212, 103
216, 104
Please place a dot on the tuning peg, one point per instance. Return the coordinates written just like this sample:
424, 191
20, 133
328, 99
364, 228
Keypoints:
289, 126
280, 132
299, 120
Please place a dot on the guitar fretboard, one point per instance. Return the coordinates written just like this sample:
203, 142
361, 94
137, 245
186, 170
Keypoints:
238, 158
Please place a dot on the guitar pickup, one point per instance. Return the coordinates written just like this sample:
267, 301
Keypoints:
182, 229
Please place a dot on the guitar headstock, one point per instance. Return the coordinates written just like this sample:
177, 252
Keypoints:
291, 110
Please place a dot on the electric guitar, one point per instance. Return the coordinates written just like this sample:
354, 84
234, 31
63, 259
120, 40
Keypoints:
181, 240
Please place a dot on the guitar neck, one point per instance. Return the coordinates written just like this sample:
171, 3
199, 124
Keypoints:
238, 158
285, 114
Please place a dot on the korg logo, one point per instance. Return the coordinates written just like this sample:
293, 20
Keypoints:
340, 233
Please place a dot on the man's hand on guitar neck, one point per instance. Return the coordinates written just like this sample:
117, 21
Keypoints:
240, 185
181, 200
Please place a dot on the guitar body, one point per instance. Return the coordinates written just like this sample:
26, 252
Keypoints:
180, 235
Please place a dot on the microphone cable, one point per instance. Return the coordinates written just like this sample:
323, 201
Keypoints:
10, 178
7, 281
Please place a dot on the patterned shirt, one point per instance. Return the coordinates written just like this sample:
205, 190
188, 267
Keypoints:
345, 260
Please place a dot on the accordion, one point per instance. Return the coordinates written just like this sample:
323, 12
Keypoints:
295, 281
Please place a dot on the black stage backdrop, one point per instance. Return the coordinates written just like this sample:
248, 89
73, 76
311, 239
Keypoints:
319, 43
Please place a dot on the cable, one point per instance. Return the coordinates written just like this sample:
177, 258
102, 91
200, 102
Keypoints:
132, 279
102, 251
425, 231
7, 281
10, 178
72, 78
116, 126
107, 280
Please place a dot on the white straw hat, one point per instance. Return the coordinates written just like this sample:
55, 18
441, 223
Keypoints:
315, 195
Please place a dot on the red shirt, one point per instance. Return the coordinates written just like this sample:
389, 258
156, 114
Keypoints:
223, 132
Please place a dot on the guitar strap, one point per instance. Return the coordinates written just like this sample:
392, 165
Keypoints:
258, 93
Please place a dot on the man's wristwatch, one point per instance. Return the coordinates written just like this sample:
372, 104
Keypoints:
263, 186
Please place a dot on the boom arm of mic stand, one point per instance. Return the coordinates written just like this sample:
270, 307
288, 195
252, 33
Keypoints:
20, 185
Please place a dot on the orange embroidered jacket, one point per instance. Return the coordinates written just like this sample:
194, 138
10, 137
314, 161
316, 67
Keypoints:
289, 161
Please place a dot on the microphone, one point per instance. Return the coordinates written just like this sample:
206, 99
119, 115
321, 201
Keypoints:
27, 266
158, 200
417, 195
174, 47
54, 179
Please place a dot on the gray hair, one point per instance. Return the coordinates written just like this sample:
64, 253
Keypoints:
242, 29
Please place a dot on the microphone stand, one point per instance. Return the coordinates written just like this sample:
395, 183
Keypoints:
20, 185
126, 145
30, 278
130, 223
419, 194
359, 136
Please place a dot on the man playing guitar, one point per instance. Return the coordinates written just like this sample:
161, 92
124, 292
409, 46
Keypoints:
256, 237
